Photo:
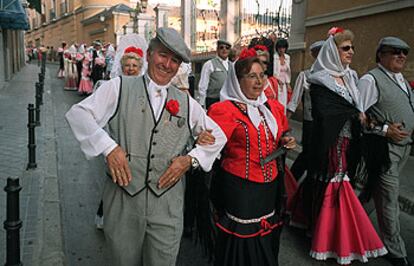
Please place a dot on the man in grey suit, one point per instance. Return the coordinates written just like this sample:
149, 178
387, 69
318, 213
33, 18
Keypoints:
213, 74
149, 123
388, 97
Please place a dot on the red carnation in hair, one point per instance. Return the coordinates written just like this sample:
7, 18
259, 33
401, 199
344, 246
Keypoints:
135, 50
260, 47
245, 53
334, 30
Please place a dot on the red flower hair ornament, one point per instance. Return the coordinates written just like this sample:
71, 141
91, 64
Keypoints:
260, 47
334, 30
173, 107
135, 50
245, 53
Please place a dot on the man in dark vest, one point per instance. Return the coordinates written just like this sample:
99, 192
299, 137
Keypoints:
213, 74
149, 125
301, 92
387, 96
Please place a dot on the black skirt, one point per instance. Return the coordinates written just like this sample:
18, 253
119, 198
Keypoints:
248, 225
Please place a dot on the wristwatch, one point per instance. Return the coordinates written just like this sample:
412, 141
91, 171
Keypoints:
194, 163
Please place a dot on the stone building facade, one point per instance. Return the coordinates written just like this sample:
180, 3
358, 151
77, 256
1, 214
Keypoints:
81, 21
370, 20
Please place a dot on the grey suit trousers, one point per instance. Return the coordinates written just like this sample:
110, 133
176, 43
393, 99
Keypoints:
386, 202
145, 229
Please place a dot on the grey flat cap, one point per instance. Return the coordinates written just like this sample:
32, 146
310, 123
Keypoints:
316, 45
222, 41
393, 42
171, 39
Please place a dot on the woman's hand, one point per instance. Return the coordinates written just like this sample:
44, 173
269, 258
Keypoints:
206, 138
288, 142
363, 119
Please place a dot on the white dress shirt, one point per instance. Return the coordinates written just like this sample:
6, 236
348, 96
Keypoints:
206, 70
368, 90
88, 118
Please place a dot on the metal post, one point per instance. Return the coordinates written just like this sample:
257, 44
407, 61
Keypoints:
38, 102
39, 91
32, 145
41, 77
13, 223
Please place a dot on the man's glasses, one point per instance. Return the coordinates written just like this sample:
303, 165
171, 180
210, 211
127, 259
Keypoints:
221, 47
252, 76
265, 62
346, 48
396, 51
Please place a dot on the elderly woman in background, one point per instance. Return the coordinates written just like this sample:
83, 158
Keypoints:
126, 41
131, 61
271, 84
246, 193
341, 227
281, 70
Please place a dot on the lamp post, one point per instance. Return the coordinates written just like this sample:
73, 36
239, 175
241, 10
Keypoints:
141, 7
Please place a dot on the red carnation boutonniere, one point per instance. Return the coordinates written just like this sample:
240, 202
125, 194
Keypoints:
173, 107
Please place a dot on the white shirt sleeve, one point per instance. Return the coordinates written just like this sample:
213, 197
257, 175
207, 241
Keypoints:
368, 91
297, 92
199, 121
289, 74
204, 80
88, 117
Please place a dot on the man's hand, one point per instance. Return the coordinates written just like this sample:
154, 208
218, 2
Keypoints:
206, 138
396, 133
288, 142
179, 165
118, 166
289, 113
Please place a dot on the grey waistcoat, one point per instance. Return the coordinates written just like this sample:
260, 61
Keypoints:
217, 78
150, 145
394, 105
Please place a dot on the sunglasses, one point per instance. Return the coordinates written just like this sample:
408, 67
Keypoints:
346, 48
265, 62
397, 51
224, 47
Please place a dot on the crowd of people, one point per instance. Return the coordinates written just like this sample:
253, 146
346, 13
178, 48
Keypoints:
235, 137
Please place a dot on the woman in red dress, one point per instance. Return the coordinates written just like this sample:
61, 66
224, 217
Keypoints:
245, 192
340, 227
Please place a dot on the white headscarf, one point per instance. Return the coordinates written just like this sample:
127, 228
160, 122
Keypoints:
328, 65
231, 91
132, 39
81, 49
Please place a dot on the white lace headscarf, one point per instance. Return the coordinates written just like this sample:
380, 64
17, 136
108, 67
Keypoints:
231, 91
132, 39
328, 65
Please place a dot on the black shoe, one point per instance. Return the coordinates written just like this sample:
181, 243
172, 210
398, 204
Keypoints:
398, 261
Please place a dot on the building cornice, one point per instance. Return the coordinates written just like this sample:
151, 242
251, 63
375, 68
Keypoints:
361, 11
84, 8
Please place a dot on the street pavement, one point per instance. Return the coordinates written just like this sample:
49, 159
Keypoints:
59, 199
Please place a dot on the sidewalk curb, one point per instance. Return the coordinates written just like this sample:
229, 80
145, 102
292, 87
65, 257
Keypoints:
406, 202
50, 245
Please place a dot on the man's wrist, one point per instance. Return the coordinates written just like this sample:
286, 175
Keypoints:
194, 163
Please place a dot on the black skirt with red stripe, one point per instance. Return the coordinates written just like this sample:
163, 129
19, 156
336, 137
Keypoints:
243, 238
